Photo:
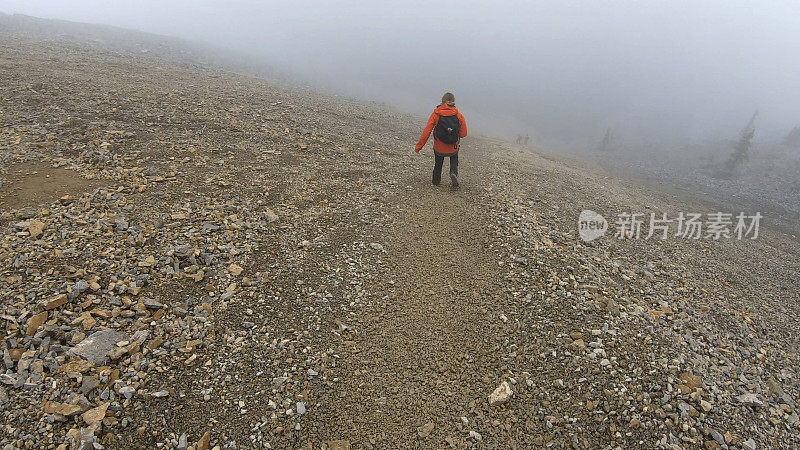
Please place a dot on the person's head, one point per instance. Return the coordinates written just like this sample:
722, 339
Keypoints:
449, 98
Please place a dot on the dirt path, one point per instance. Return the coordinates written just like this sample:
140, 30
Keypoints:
425, 349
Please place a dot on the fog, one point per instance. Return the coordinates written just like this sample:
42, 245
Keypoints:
563, 72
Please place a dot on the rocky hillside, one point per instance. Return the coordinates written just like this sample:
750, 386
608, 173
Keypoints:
195, 258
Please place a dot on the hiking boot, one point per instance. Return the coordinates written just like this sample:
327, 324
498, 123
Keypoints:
454, 179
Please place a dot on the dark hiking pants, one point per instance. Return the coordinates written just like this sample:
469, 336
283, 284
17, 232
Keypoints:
439, 161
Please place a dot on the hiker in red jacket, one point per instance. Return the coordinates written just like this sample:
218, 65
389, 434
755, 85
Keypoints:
448, 128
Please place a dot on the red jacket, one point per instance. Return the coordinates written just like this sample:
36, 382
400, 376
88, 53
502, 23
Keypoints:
440, 147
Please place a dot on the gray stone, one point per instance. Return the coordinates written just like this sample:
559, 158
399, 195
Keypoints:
7, 361
78, 288
182, 251
98, 346
127, 392
750, 399
717, 436
278, 381
183, 443
26, 212
121, 223
150, 303
749, 444
89, 383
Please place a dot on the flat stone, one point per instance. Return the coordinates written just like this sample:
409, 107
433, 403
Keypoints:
60, 408
425, 430
79, 287
749, 444
183, 443
55, 301
692, 381
750, 399
182, 251
98, 346
35, 228
717, 436
95, 415
121, 223
88, 384
127, 392
34, 322
235, 269
152, 304
204, 441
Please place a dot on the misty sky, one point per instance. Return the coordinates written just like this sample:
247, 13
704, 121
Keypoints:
561, 71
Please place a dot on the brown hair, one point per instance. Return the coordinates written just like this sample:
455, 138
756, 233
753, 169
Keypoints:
449, 98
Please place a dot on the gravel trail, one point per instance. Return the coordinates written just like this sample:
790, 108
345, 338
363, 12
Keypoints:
430, 339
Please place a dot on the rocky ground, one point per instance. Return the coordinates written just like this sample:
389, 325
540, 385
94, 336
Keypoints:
195, 258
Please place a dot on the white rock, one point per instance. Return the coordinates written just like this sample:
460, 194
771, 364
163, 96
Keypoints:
501, 395
127, 391
750, 399
749, 444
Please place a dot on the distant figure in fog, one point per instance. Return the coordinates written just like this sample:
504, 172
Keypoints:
607, 144
448, 127
527, 138
519, 139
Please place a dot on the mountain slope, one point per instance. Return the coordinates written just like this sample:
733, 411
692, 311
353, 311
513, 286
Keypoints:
266, 264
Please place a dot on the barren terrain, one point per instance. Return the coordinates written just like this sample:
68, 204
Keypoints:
194, 257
